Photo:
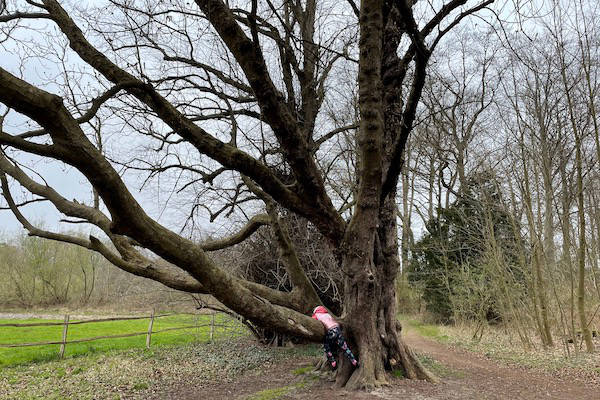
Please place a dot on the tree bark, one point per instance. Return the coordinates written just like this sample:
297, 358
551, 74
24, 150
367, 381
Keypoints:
370, 250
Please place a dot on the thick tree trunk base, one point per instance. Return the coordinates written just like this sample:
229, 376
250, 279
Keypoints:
377, 371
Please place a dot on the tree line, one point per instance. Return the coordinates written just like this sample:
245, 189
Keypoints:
504, 179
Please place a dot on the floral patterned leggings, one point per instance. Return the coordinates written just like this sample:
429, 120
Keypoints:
334, 340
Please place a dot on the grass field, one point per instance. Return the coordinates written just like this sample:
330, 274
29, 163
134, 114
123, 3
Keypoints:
424, 329
24, 355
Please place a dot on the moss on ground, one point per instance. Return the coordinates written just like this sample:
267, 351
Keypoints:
271, 394
303, 370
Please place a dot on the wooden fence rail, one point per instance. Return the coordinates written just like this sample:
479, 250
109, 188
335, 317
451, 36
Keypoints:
63, 343
87, 321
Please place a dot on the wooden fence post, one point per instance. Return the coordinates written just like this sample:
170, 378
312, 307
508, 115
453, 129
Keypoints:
64, 337
149, 335
212, 326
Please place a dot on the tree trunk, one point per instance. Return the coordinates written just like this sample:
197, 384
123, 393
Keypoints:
565, 223
369, 250
580, 211
587, 335
537, 284
370, 321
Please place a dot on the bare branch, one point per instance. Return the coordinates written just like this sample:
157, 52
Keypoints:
25, 203
321, 212
457, 20
354, 7
23, 15
91, 112
277, 114
137, 266
255, 222
331, 134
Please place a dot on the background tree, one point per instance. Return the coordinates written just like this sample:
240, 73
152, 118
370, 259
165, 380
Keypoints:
545, 103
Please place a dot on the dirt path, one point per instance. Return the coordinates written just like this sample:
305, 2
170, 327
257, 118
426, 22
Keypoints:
472, 376
466, 375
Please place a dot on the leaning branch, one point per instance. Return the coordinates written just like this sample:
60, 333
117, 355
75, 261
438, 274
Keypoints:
129, 260
137, 266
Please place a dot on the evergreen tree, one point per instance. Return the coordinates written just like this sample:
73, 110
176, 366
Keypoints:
450, 263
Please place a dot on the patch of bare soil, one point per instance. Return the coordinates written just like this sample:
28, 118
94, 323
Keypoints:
465, 375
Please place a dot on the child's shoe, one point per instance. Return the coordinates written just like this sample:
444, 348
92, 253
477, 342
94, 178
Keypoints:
334, 365
355, 363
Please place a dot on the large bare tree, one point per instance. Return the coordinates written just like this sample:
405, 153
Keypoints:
267, 64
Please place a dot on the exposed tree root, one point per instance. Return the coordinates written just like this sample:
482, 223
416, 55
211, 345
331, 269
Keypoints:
411, 366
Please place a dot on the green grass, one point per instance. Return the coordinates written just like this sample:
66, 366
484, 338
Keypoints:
271, 394
427, 330
439, 369
25, 355
276, 393
140, 386
303, 370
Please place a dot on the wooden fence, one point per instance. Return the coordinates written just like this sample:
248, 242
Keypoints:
152, 317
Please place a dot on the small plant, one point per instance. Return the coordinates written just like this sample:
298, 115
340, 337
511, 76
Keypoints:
398, 373
270, 394
140, 386
302, 370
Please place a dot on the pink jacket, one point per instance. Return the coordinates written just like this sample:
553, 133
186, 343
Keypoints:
321, 314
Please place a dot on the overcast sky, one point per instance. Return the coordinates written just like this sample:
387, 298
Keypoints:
64, 179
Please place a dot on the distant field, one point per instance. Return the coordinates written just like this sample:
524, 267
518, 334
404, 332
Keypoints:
23, 355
